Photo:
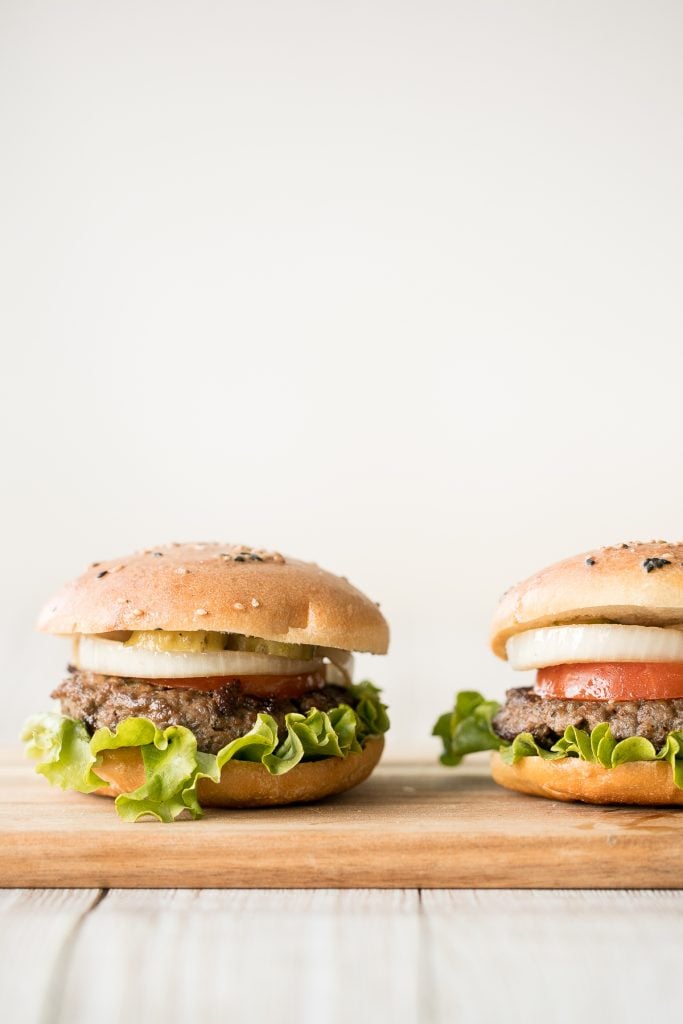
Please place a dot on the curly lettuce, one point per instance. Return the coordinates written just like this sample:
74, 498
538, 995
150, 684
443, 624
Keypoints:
67, 754
468, 728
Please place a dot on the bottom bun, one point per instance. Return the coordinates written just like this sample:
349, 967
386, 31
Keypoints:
569, 778
248, 784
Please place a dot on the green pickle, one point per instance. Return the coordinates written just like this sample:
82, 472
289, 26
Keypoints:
256, 645
199, 641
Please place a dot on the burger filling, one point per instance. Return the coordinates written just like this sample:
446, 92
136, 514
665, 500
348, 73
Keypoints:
547, 719
216, 716
191, 702
609, 712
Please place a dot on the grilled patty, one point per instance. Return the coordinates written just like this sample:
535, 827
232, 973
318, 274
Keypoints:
546, 718
216, 717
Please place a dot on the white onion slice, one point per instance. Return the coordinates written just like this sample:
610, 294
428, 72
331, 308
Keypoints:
340, 667
111, 657
565, 645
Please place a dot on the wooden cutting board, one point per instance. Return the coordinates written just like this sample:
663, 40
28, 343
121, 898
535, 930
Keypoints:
411, 825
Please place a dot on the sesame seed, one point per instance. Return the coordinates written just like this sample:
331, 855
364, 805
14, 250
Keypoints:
182, 571
650, 564
101, 573
136, 612
238, 606
201, 611
245, 553
116, 568
255, 603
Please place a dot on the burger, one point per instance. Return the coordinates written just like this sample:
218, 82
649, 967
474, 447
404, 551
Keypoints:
210, 674
603, 721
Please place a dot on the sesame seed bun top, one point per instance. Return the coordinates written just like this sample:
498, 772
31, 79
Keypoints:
223, 587
634, 584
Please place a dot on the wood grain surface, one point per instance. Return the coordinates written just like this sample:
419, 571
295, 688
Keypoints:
411, 825
299, 957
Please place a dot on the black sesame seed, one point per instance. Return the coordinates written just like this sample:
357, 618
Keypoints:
655, 563
240, 558
101, 574
158, 554
590, 561
624, 545
255, 558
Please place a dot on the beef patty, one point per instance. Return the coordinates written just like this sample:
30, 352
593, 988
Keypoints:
546, 718
216, 717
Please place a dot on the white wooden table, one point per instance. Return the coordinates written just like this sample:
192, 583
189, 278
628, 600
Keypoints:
228, 956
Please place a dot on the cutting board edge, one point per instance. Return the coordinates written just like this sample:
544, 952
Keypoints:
395, 860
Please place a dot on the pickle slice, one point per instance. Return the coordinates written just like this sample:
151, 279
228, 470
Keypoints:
256, 645
199, 640
195, 641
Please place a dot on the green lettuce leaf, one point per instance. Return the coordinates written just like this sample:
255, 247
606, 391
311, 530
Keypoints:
173, 766
62, 748
468, 728
371, 713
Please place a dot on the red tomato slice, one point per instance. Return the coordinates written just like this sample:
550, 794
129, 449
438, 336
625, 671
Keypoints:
637, 680
282, 687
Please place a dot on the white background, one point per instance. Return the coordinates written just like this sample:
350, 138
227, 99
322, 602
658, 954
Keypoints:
393, 286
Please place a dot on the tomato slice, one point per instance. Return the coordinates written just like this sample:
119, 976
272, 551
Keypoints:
281, 687
637, 680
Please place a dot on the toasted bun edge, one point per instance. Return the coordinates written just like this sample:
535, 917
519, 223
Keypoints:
641, 783
246, 784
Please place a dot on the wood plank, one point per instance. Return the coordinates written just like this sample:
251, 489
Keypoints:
409, 826
560, 956
213, 956
305, 955
36, 930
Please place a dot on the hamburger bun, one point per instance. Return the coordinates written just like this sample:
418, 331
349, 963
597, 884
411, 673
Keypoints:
247, 784
569, 778
219, 587
632, 584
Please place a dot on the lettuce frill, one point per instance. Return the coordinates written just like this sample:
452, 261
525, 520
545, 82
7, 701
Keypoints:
468, 728
67, 754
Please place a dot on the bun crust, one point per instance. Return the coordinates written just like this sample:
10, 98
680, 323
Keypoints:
634, 584
219, 587
639, 783
245, 784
